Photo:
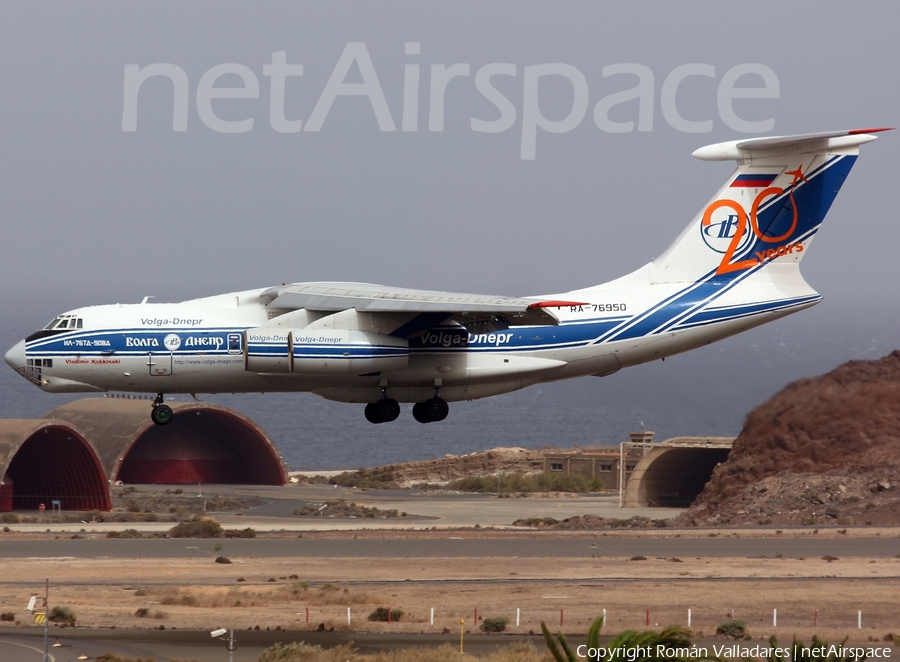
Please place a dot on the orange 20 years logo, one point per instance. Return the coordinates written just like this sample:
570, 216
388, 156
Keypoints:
726, 265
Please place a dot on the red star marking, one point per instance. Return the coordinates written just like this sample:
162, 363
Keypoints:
798, 175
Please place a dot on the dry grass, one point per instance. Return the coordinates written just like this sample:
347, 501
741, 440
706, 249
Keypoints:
219, 597
302, 652
299, 652
197, 593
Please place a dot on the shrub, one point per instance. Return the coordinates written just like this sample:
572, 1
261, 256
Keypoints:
735, 629
197, 528
240, 533
92, 516
10, 518
372, 479
63, 615
223, 559
381, 614
536, 522
7, 616
494, 624
298, 651
142, 612
523, 483
127, 533
628, 644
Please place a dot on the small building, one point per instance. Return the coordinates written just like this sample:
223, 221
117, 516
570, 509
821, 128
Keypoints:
669, 473
600, 463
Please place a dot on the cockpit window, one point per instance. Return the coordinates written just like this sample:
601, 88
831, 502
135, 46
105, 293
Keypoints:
65, 322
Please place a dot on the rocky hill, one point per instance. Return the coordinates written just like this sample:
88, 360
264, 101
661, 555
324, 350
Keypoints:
823, 450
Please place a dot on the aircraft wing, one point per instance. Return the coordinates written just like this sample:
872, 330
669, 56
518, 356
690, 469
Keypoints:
366, 297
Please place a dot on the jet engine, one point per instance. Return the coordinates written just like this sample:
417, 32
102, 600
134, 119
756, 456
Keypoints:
345, 352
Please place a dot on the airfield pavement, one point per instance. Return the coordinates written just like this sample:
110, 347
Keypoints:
436, 559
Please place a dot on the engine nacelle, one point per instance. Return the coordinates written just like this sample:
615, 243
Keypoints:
345, 352
267, 350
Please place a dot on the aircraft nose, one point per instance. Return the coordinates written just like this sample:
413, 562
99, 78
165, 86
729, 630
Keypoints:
15, 357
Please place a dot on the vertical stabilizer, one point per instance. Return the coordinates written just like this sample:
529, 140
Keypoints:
767, 211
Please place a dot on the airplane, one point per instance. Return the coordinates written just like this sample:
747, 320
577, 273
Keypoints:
734, 267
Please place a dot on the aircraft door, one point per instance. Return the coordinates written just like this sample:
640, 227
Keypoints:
160, 364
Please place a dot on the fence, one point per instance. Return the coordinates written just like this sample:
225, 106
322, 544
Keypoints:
846, 618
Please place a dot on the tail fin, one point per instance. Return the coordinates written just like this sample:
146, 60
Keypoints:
768, 210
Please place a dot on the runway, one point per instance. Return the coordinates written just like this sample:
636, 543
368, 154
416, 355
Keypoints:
452, 546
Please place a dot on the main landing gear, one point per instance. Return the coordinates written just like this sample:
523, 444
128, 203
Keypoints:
432, 410
161, 414
383, 411
387, 409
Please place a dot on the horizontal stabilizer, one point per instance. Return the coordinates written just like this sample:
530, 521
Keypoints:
741, 150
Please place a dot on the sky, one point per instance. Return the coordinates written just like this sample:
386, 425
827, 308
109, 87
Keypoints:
522, 174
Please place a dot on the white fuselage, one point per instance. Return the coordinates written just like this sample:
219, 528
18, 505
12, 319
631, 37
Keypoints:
201, 346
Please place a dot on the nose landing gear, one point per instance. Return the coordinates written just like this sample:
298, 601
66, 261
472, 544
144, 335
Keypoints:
161, 414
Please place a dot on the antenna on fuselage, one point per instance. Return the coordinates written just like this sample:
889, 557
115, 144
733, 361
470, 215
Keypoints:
147, 298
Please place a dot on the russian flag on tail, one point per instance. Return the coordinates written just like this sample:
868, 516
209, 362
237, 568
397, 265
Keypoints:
753, 181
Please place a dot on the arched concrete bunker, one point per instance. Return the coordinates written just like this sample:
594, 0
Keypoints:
43, 461
78, 450
675, 471
204, 443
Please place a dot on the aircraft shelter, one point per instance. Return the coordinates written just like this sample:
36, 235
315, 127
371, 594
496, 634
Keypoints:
79, 450
672, 473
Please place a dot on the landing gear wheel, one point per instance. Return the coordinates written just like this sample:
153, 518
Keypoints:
161, 414
436, 409
388, 409
372, 413
383, 411
420, 413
